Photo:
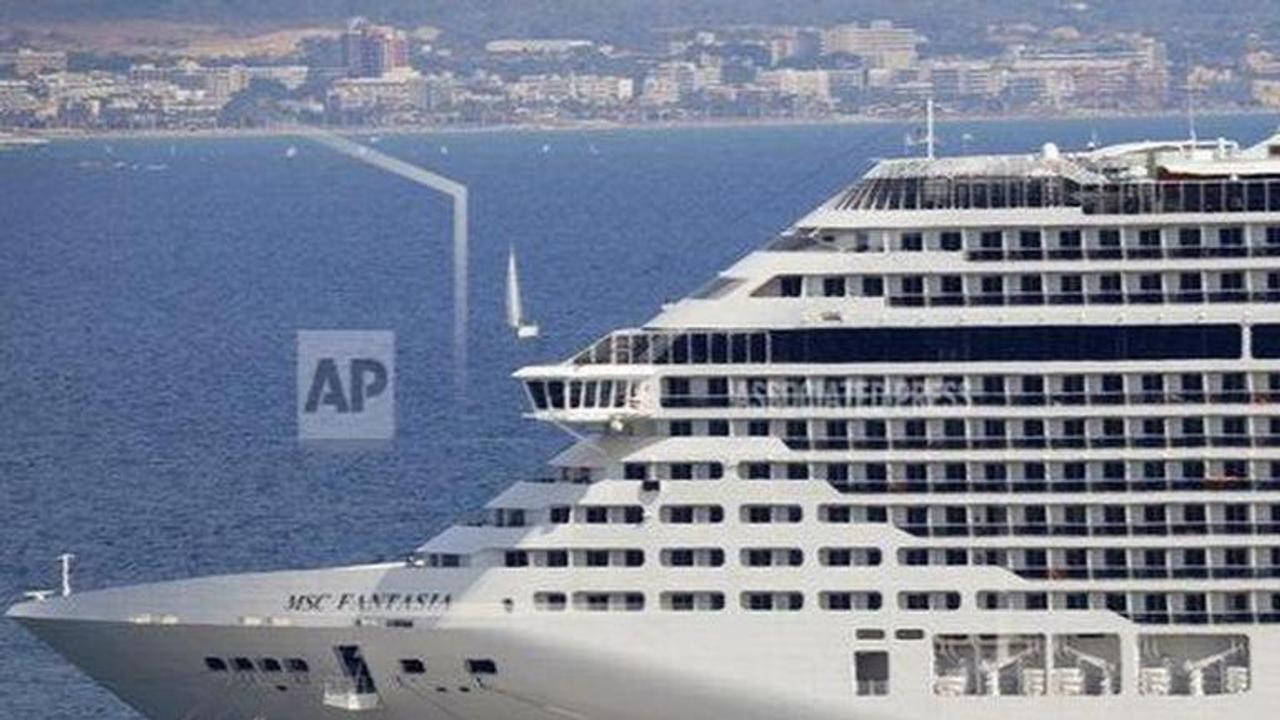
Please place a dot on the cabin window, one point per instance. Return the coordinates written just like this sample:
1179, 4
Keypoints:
538, 393
871, 672
791, 285
550, 601
412, 666
692, 601
765, 601
215, 664
482, 667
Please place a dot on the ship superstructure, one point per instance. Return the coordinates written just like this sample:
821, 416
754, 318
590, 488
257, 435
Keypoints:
978, 436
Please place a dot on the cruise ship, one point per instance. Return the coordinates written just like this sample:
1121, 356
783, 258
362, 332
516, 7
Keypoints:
979, 437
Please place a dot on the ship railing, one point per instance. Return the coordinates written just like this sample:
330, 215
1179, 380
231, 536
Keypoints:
671, 347
1202, 618
1096, 442
1131, 297
1103, 529
1122, 252
1198, 572
1135, 197
957, 397
945, 486
1171, 196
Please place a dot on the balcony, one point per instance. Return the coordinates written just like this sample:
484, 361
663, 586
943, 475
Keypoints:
1079, 297
946, 486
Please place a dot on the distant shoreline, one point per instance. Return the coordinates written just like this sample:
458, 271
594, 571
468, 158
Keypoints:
283, 131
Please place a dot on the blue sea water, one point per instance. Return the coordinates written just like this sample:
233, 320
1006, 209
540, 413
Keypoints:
151, 291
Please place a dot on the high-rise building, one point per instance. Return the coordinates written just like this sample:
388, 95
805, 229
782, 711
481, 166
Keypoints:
370, 50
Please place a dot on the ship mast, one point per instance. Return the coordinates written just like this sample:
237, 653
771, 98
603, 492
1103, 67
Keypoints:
929, 139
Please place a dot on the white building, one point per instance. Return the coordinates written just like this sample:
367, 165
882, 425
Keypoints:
536, 46
398, 90
880, 43
814, 84
603, 89
290, 76
26, 62
1266, 91
964, 77
660, 90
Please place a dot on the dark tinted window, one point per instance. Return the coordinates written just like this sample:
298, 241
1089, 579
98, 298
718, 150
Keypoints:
1266, 341
1136, 342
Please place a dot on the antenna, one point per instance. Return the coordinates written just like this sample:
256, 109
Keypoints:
65, 560
1191, 104
928, 133
1191, 113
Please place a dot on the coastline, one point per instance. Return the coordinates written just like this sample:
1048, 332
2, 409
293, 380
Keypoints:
283, 131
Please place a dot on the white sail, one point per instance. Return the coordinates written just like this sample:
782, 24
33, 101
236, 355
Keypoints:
515, 308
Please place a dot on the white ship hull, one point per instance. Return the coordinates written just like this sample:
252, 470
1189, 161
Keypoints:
603, 666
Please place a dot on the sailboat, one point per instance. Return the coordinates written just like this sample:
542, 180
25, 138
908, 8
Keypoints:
515, 310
